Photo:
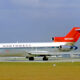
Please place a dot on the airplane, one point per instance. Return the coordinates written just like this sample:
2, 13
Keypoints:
42, 49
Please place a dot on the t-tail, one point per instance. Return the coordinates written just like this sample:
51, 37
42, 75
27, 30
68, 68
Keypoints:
70, 38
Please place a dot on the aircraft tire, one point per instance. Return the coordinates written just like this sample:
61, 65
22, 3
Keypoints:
45, 58
31, 58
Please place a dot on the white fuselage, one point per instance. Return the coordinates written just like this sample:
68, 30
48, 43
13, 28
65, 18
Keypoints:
25, 45
22, 49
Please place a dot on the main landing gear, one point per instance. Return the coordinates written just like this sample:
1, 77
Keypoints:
32, 58
45, 58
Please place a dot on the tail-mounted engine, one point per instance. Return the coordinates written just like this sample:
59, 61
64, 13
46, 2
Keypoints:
67, 48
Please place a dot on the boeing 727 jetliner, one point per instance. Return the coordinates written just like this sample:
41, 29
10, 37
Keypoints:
31, 50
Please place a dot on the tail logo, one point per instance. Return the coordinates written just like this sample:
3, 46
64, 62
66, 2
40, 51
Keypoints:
69, 38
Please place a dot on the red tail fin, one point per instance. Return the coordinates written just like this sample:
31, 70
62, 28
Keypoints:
72, 36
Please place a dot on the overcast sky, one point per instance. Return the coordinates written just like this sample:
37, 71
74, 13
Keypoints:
37, 20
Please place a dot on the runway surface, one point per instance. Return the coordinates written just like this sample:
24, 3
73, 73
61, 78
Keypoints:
23, 59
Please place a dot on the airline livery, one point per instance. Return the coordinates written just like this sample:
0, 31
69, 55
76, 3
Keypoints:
31, 50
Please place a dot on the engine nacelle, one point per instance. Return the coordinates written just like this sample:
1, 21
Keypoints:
67, 48
75, 47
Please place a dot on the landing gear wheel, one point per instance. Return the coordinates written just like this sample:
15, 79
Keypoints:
31, 58
45, 58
